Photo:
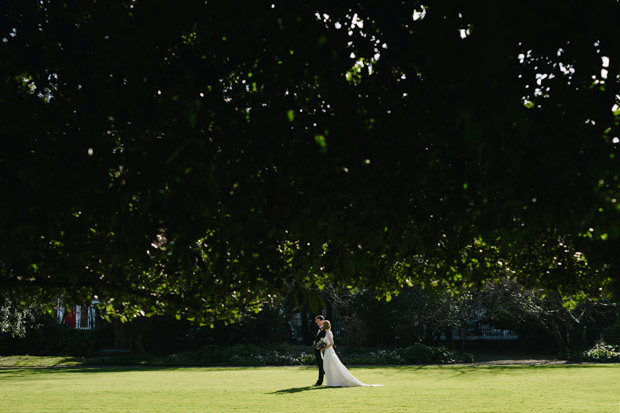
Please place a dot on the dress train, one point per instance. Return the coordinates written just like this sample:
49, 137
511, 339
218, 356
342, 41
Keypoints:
336, 374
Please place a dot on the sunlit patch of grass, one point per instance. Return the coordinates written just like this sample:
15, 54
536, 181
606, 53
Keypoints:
39, 361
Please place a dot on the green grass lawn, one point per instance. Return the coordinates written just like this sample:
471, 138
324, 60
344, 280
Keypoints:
559, 388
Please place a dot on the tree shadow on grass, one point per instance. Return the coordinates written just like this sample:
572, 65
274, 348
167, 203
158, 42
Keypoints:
302, 389
20, 372
296, 390
17, 371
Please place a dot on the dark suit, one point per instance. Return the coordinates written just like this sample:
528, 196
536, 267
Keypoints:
319, 358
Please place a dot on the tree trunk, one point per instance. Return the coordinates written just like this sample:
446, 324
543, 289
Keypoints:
558, 338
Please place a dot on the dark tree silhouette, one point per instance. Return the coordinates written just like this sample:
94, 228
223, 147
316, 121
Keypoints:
203, 157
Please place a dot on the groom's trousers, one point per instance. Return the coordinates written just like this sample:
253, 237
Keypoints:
319, 362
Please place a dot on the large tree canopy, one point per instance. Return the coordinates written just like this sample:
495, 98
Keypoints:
206, 156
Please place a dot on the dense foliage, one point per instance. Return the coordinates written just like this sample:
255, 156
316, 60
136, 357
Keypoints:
206, 157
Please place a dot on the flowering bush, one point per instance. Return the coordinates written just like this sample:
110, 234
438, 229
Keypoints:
602, 353
238, 360
307, 359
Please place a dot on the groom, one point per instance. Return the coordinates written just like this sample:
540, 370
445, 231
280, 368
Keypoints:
317, 353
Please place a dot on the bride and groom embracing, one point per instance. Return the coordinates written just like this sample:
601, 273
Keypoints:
330, 366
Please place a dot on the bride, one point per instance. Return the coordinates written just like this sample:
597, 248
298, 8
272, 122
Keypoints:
336, 374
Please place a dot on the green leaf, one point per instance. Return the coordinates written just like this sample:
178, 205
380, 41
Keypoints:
320, 140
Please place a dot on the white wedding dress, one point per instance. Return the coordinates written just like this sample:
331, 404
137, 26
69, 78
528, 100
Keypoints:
336, 374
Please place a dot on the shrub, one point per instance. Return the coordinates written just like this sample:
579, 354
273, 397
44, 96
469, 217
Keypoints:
245, 355
602, 353
275, 358
363, 359
188, 357
288, 355
464, 357
77, 343
52, 339
238, 360
422, 354
387, 356
212, 355
443, 355
307, 359
418, 354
